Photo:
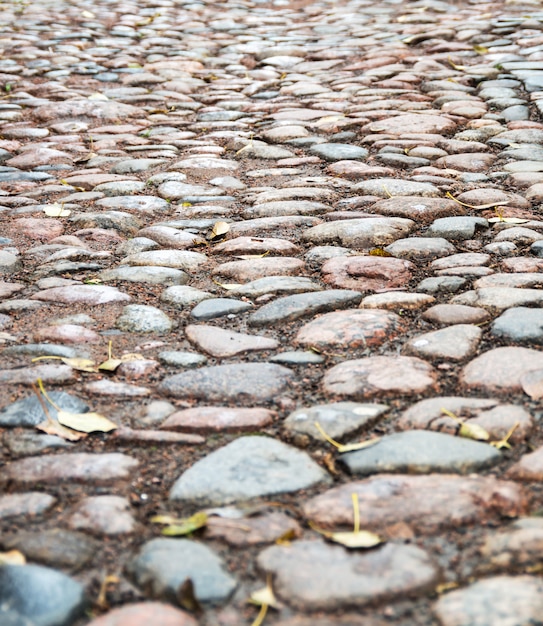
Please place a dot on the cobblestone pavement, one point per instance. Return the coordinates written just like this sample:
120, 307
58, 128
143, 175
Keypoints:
271, 313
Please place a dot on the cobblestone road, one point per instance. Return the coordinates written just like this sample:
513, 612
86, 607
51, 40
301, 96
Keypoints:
271, 313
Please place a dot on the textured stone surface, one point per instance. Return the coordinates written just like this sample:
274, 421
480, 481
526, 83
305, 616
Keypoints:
248, 467
339, 578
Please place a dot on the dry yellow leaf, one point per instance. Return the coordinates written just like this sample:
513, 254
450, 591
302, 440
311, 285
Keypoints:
110, 365
219, 230
349, 447
52, 427
508, 220
56, 210
83, 365
13, 557
86, 422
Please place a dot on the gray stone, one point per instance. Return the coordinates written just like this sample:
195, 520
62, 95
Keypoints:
9, 263
182, 359
29, 503
421, 452
499, 298
338, 151
120, 188
211, 308
420, 248
55, 547
520, 324
294, 307
43, 595
297, 357
387, 187
184, 296
453, 343
441, 284
116, 220
29, 443
178, 259
500, 601
337, 419
141, 204
276, 284
142, 318
238, 382
248, 467
456, 228
313, 575
28, 412
360, 233
151, 275
163, 565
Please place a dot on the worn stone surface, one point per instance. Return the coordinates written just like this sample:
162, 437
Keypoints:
248, 467
185, 559
450, 501
346, 579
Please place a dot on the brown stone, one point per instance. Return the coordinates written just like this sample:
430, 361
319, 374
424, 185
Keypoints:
426, 503
251, 269
144, 614
500, 370
356, 170
250, 531
378, 375
41, 229
529, 468
500, 601
67, 333
470, 162
220, 342
496, 418
367, 273
78, 467
104, 515
411, 123
424, 210
219, 419
519, 545
30, 503
313, 575
447, 314
353, 328
254, 245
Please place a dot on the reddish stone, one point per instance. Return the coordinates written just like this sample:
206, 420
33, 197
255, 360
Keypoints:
250, 531
378, 375
144, 614
353, 328
426, 503
67, 333
529, 468
219, 419
43, 229
367, 273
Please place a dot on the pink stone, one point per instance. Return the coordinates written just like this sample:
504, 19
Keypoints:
145, 614
219, 419
379, 375
38, 228
67, 333
367, 273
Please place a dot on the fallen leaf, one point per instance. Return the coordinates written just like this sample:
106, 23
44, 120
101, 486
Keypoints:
101, 600
187, 598
184, 526
480, 207
504, 443
56, 210
87, 14
110, 365
13, 557
97, 96
264, 596
7, 337
473, 431
248, 257
219, 230
454, 66
86, 422
379, 252
349, 447
508, 220
132, 356
83, 365
480, 49
52, 427
361, 539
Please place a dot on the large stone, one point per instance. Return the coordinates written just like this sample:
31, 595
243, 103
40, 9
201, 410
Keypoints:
500, 370
426, 503
417, 208
40, 594
78, 467
352, 328
421, 452
238, 382
360, 234
105, 111
313, 575
220, 342
337, 419
412, 123
453, 343
377, 375
163, 565
29, 411
500, 601
248, 467
81, 294
143, 614
367, 273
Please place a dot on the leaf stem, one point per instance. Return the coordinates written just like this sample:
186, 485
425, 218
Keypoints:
356, 512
